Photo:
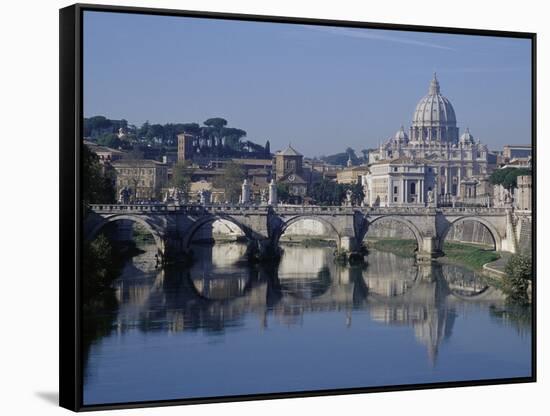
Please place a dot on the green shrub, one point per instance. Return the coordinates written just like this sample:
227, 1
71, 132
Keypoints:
519, 272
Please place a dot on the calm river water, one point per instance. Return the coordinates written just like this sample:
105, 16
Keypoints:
224, 327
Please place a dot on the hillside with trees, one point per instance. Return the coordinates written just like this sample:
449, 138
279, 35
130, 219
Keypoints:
341, 159
220, 140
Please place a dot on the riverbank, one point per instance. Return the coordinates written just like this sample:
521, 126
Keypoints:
496, 268
399, 247
308, 242
471, 256
468, 255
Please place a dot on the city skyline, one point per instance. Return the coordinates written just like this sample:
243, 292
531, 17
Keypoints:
321, 88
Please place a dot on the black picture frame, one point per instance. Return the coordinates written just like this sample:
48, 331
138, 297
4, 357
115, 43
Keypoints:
70, 181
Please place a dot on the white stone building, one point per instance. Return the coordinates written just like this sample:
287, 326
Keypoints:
434, 139
400, 182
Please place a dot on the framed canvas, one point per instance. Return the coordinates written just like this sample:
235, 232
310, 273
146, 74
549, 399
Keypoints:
257, 207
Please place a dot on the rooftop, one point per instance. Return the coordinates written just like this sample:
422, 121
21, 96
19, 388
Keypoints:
289, 151
137, 163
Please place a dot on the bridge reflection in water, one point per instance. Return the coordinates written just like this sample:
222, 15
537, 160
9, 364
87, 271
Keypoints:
226, 327
221, 288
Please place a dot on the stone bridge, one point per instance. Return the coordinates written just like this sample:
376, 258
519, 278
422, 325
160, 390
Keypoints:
173, 227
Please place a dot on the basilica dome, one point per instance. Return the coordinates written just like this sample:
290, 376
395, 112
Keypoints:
401, 136
434, 118
434, 109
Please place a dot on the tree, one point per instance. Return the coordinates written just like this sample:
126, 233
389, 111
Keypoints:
357, 193
342, 158
231, 182
507, 177
109, 140
97, 187
97, 266
143, 132
191, 128
214, 129
181, 178
283, 192
97, 125
519, 272
216, 122
156, 131
327, 192
233, 136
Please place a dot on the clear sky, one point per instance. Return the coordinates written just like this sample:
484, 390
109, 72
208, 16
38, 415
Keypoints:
321, 88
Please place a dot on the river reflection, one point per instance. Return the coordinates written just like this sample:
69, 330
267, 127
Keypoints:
225, 327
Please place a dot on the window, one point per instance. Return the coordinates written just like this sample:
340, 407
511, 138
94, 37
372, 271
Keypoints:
413, 188
395, 189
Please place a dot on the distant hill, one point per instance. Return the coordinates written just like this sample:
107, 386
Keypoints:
342, 158
216, 137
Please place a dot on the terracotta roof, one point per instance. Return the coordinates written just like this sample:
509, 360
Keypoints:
138, 162
289, 151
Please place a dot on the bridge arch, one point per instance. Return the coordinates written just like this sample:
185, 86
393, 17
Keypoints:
284, 227
413, 228
199, 223
497, 239
159, 241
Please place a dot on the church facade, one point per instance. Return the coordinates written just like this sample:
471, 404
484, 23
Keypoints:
439, 163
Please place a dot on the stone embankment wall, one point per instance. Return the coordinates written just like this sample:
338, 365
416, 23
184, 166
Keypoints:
470, 232
389, 229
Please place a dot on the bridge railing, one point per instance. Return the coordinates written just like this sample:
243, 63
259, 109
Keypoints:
288, 209
160, 208
399, 210
218, 208
473, 210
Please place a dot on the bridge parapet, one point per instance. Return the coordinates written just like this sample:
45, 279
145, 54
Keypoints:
398, 211
220, 208
313, 209
180, 209
291, 209
473, 211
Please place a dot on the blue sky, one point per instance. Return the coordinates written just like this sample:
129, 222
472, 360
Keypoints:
321, 88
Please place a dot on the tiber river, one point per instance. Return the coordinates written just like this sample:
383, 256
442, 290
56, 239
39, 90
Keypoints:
224, 327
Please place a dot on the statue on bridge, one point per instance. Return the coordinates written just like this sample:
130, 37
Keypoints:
124, 196
263, 196
205, 197
349, 198
272, 200
431, 197
245, 192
